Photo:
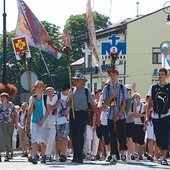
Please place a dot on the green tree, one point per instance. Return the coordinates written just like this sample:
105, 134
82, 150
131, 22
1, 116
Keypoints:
76, 24
15, 68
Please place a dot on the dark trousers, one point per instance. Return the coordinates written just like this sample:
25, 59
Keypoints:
118, 132
77, 128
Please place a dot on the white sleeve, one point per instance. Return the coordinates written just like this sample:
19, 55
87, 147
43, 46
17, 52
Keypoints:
48, 100
150, 91
100, 102
54, 100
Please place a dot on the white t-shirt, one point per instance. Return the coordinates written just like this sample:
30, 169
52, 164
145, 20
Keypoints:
59, 119
155, 115
50, 118
104, 114
139, 109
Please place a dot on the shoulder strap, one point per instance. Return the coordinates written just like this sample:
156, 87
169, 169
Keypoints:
108, 89
87, 94
121, 87
140, 108
45, 100
19, 117
59, 95
37, 113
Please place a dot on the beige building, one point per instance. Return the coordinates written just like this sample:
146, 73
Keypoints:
143, 36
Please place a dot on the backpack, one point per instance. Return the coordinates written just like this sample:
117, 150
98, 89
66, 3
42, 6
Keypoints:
59, 97
129, 101
44, 99
90, 110
19, 116
161, 98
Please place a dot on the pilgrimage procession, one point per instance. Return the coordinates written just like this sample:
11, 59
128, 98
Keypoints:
103, 118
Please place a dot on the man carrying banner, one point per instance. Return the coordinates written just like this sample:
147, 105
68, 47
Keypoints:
78, 123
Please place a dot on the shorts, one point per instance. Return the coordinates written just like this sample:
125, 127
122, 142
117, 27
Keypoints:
39, 134
99, 132
130, 130
23, 140
149, 131
62, 130
139, 135
162, 130
105, 134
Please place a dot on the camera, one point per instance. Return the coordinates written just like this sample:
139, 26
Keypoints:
61, 111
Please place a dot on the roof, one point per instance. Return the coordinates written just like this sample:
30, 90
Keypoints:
117, 27
78, 62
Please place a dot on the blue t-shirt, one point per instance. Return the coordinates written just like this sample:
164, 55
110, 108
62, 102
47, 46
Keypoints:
38, 108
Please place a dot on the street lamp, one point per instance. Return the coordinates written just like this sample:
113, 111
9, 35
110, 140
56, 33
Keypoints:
4, 73
166, 9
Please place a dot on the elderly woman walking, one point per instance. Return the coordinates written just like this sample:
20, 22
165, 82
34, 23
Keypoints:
7, 120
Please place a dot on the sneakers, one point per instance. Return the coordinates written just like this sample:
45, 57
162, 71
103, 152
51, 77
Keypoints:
113, 161
123, 155
48, 158
159, 161
103, 157
63, 158
43, 161
34, 160
132, 157
97, 157
128, 157
164, 162
149, 157
77, 160
140, 157
74, 159
6, 159
108, 159
93, 158
25, 154
29, 159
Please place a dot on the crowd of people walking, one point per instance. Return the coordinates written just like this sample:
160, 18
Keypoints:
110, 125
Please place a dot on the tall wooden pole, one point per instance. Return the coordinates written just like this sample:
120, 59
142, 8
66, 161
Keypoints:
67, 47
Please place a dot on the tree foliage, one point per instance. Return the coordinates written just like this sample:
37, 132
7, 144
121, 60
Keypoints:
57, 68
77, 26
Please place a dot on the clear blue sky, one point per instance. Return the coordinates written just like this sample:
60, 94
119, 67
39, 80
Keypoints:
57, 12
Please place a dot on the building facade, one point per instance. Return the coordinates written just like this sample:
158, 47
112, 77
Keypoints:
143, 36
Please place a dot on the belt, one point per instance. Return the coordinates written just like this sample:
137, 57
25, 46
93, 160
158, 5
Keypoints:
80, 110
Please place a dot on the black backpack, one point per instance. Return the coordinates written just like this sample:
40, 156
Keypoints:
161, 98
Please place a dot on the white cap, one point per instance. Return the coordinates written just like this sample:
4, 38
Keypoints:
128, 86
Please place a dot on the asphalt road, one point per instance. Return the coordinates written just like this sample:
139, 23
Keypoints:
18, 163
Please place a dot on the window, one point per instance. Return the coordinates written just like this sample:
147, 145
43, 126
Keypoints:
95, 86
89, 60
156, 56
